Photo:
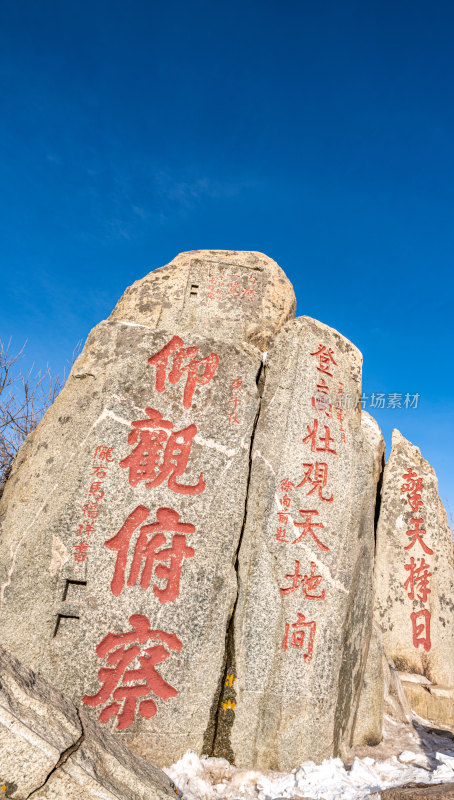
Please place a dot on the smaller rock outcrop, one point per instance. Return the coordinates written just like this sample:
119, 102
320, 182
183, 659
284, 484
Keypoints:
414, 582
232, 295
49, 750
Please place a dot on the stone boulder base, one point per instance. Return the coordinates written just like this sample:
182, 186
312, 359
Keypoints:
48, 749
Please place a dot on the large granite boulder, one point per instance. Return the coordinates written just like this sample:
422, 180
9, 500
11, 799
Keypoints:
48, 748
414, 582
301, 627
121, 519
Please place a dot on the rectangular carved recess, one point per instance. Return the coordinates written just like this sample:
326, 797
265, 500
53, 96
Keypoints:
72, 593
74, 588
64, 621
194, 290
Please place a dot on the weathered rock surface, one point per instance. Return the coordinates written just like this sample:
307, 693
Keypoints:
242, 296
432, 702
369, 716
48, 750
439, 791
374, 436
303, 618
414, 579
114, 464
121, 519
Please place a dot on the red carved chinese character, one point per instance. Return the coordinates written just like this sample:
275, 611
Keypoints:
90, 510
85, 528
117, 679
421, 628
318, 480
298, 636
149, 436
282, 517
99, 471
285, 501
312, 437
235, 401
415, 486
281, 534
417, 533
308, 526
326, 357
321, 400
148, 550
236, 383
80, 551
287, 485
96, 491
233, 417
419, 577
200, 370
104, 453
308, 583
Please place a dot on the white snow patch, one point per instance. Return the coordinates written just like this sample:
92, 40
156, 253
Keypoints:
215, 779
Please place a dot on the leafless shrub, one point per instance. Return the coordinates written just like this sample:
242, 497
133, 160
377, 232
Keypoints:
24, 398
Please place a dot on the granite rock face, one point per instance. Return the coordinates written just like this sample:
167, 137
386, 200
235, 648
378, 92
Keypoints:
121, 520
48, 750
187, 544
298, 646
414, 576
369, 716
242, 296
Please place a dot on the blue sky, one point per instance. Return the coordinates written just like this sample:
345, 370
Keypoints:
320, 133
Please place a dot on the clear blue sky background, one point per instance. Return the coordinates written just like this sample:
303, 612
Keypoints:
320, 133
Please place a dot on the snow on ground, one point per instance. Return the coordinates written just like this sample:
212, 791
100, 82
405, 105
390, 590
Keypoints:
406, 755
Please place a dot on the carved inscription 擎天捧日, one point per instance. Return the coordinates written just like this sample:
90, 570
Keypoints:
417, 582
156, 547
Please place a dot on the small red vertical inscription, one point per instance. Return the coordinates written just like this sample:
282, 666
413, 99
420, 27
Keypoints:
102, 455
283, 515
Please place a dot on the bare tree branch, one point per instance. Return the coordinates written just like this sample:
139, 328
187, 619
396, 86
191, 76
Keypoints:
24, 399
